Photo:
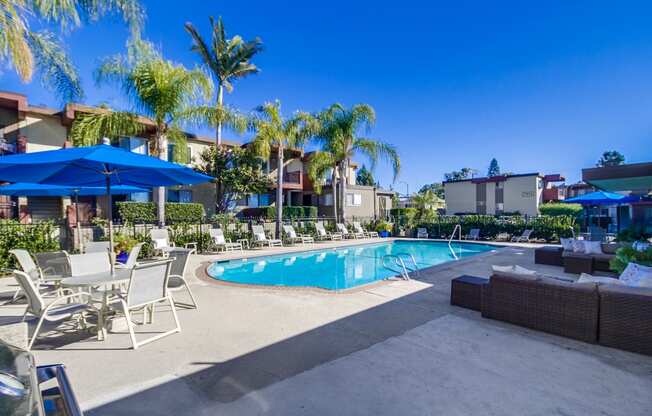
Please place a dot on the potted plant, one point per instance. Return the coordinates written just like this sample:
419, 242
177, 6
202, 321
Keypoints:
122, 245
384, 229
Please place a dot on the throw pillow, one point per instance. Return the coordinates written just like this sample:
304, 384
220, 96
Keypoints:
592, 247
578, 246
160, 243
584, 277
514, 269
567, 243
635, 274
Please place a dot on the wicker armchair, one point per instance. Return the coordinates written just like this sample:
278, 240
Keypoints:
544, 304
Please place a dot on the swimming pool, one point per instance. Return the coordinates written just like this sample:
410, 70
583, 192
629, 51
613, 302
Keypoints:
337, 268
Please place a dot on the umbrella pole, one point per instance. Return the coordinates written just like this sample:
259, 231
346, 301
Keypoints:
79, 237
109, 215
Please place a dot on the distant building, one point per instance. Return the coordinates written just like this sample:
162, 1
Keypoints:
496, 195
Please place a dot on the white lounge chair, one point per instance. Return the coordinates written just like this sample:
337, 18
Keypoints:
345, 232
46, 286
322, 234
163, 243
217, 235
177, 281
523, 238
147, 288
474, 234
260, 239
367, 234
422, 233
97, 246
59, 310
292, 236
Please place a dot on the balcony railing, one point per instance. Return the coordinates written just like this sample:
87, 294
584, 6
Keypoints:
292, 177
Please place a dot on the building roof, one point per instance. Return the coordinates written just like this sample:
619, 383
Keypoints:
498, 178
629, 177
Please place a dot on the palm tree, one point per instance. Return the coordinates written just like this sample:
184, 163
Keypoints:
274, 132
227, 59
339, 135
159, 89
30, 51
426, 202
322, 164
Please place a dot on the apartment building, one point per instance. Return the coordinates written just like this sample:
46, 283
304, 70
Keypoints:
522, 193
27, 128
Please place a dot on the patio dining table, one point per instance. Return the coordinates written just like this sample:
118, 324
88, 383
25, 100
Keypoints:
94, 280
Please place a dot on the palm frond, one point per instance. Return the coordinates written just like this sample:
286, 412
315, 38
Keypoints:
14, 45
319, 166
71, 13
212, 116
374, 150
89, 129
177, 137
57, 72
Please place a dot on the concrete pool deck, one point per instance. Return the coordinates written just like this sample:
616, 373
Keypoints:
397, 348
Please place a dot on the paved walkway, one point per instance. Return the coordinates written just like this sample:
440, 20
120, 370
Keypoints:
397, 348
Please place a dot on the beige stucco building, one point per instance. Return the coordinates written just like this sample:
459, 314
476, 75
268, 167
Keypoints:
501, 194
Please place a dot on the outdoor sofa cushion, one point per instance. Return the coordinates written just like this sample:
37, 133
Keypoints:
637, 275
600, 280
592, 247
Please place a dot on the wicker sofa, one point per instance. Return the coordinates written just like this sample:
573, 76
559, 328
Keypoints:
578, 262
611, 315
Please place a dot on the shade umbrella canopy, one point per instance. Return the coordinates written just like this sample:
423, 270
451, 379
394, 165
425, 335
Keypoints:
101, 165
91, 166
37, 189
602, 198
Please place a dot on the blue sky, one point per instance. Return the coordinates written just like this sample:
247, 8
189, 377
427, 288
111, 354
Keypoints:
542, 88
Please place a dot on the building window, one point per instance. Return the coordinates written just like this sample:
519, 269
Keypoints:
140, 197
183, 196
353, 200
327, 200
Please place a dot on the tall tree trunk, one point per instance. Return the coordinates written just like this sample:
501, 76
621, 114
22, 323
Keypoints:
334, 191
219, 189
279, 191
343, 183
162, 143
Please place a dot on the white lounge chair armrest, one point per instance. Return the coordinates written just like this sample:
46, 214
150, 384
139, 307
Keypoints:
190, 245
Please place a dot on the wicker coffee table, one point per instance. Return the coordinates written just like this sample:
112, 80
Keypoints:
548, 255
466, 291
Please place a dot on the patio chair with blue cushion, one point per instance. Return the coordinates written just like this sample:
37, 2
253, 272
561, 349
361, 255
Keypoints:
60, 309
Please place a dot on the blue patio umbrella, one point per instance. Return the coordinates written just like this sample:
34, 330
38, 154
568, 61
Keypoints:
102, 165
602, 198
37, 189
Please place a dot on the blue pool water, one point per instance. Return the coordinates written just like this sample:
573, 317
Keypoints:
339, 268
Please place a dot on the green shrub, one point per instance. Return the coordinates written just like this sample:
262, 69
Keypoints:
33, 238
288, 212
545, 227
556, 209
145, 212
626, 255
633, 234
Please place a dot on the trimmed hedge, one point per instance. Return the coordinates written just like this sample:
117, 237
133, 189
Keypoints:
545, 227
145, 212
33, 238
288, 212
556, 209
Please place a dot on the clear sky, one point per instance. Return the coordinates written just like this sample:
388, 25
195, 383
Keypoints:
542, 88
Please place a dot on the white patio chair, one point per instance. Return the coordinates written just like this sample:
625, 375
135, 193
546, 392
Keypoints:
132, 259
422, 233
176, 282
217, 235
97, 247
292, 236
260, 239
147, 287
90, 263
162, 243
59, 310
345, 232
54, 265
322, 234
44, 286
523, 238
367, 234
474, 234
